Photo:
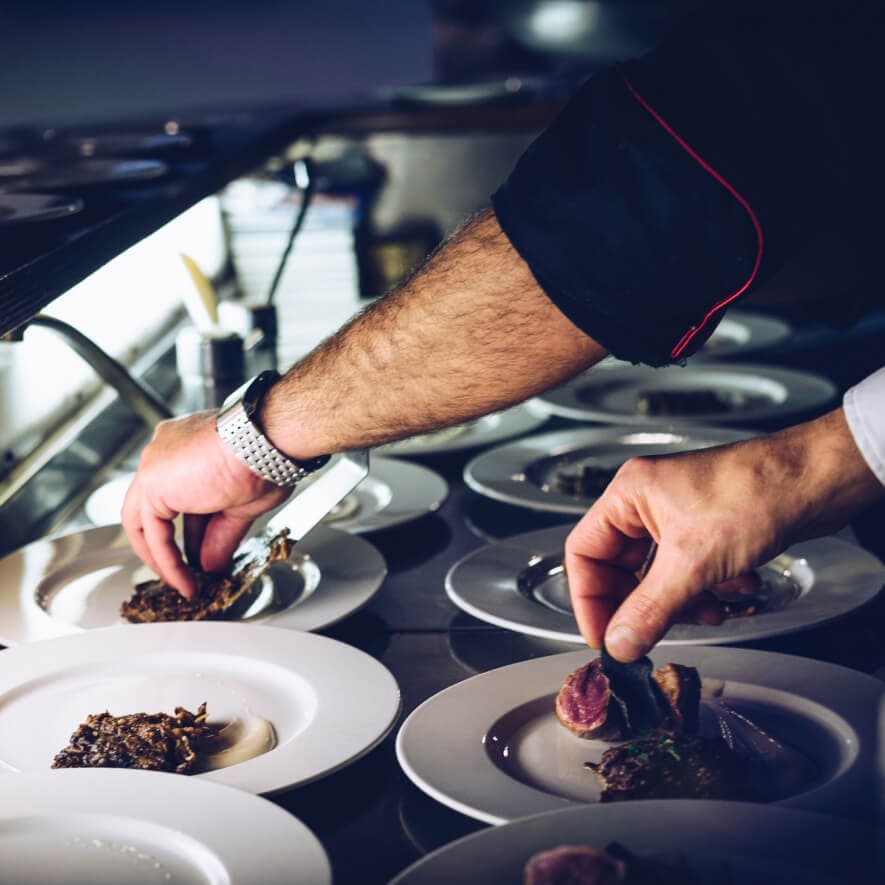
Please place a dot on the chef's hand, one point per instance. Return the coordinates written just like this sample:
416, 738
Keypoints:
715, 514
186, 469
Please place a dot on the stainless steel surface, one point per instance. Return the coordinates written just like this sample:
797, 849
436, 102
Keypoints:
66, 435
143, 400
308, 506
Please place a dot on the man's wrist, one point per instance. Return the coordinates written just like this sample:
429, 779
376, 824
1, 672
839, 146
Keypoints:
238, 425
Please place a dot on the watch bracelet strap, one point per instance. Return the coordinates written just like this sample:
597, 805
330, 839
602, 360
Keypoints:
256, 451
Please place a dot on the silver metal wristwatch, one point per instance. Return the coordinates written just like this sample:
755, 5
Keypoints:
239, 431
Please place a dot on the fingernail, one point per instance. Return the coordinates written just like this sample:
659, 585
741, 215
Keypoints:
624, 643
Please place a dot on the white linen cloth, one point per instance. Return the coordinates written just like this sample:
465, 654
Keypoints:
864, 406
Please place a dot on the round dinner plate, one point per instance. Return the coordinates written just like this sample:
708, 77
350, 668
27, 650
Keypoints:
525, 472
88, 173
757, 844
519, 584
328, 703
484, 431
751, 392
492, 748
78, 581
113, 827
18, 209
395, 492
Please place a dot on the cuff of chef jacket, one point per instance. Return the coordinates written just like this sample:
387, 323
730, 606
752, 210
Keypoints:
864, 406
664, 190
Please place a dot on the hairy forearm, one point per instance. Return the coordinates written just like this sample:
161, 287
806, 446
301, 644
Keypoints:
469, 333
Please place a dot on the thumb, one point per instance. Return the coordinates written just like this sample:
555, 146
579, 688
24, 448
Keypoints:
647, 613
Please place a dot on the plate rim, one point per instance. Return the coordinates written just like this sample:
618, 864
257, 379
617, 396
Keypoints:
314, 613
521, 418
151, 796
846, 793
820, 391
690, 812
701, 635
501, 458
295, 651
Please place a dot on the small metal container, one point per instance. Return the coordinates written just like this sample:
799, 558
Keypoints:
211, 365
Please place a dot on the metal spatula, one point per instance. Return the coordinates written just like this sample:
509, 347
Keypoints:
309, 505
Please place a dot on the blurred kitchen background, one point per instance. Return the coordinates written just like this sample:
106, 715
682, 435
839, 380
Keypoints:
301, 155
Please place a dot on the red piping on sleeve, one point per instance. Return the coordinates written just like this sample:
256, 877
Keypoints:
685, 340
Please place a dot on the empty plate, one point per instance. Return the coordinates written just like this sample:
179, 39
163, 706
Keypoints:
481, 432
519, 584
706, 393
78, 581
565, 472
395, 492
492, 748
315, 704
113, 827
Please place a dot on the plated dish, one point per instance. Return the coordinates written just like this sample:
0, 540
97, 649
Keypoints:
395, 492
484, 431
564, 472
758, 844
321, 703
491, 747
705, 393
74, 582
114, 827
519, 584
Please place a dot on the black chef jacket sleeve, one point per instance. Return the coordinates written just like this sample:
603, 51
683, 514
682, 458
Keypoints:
670, 186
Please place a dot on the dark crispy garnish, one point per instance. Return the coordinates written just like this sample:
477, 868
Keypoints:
149, 741
671, 766
217, 595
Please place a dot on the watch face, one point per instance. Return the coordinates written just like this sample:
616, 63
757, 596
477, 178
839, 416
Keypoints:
256, 390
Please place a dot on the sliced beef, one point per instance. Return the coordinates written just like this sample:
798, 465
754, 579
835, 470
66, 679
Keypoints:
574, 865
681, 688
586, 706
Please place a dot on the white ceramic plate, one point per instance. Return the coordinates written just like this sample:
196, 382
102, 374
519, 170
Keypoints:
482, 432
492, 748
524, 472
519, 584
113, 827
76, 582
760, 844
768, 393
395, 492
740, 333
328, 703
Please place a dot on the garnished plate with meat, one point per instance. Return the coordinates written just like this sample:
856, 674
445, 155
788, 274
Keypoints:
84, 580
564, 472
116, 827
493, 747
519, 584
661, 842
253, 707
702, 393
